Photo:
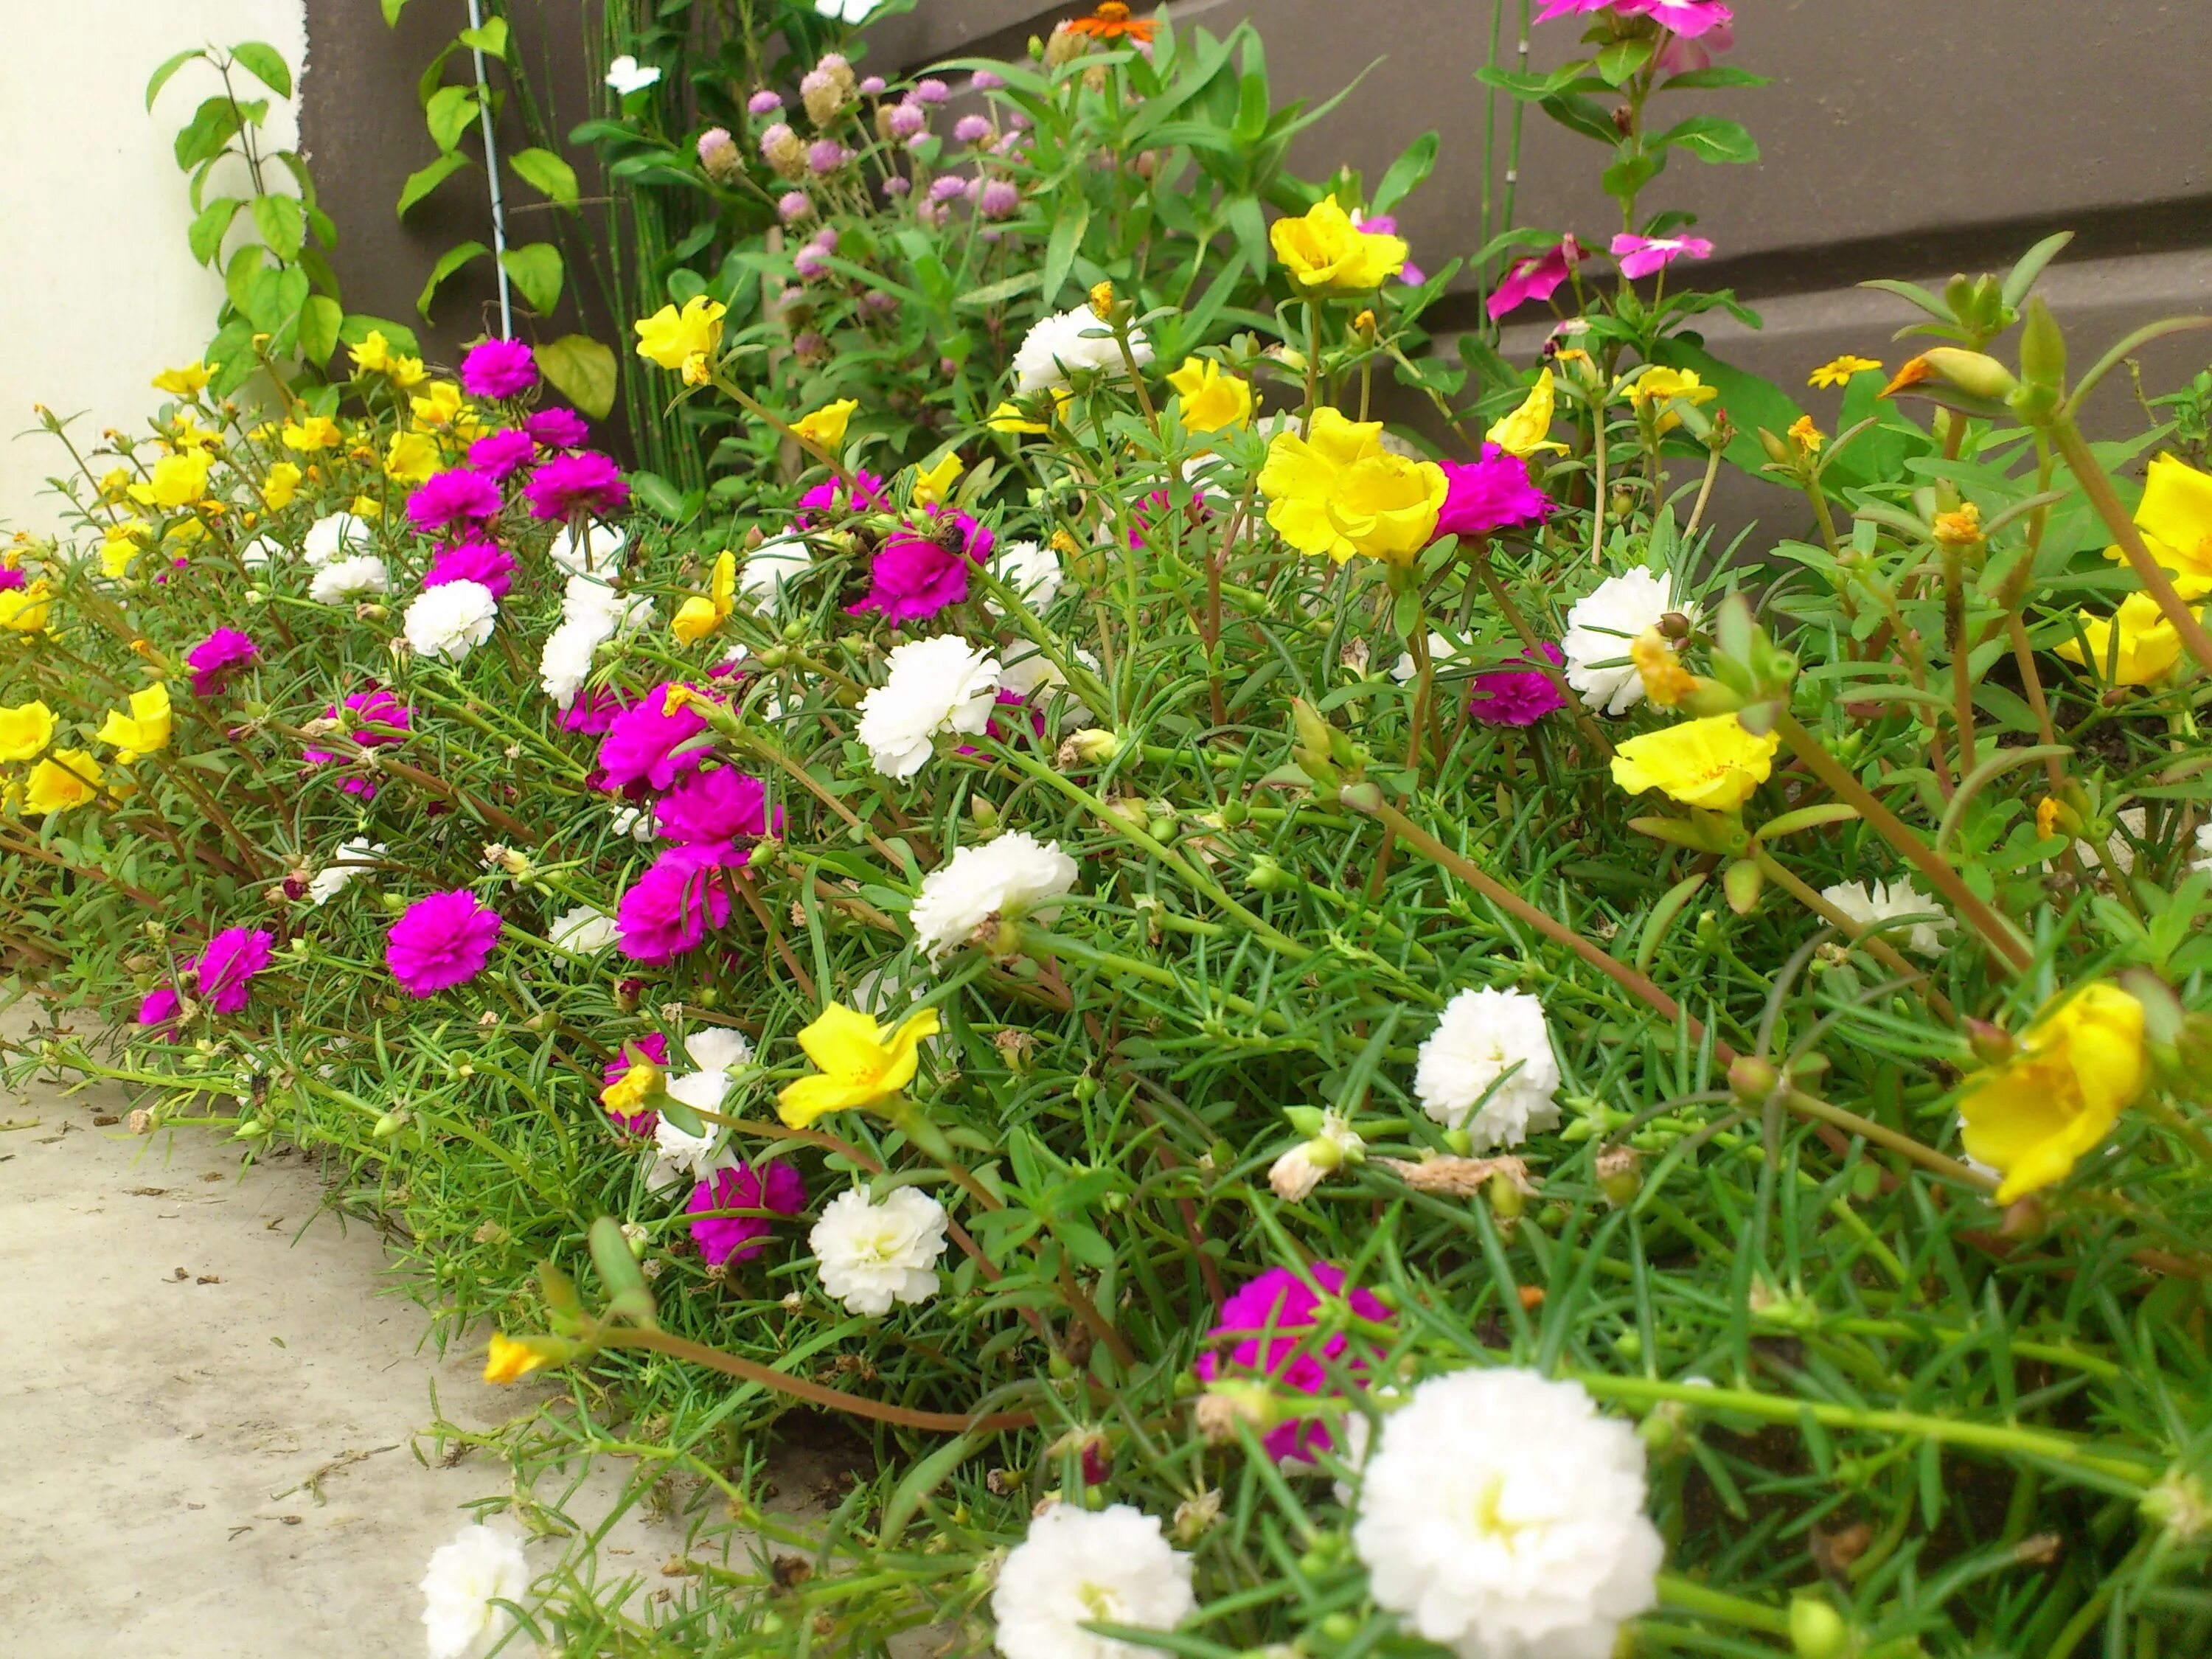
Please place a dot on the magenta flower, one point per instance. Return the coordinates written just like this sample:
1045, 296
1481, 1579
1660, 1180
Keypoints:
12, 578
557, 429
499, 368
1681, 54
1685, 17
654, 1047
667, 910
641, 745
826, 155
228, 965
1640, 256
1267, 1318
218, 660
158, 1013
718, 805
774, 1188
1517, 697
379, 718
1536, 279
483, 562
999, 199
915, 574
593, 712
455, 498
444, 940
589, 482
835, 497
1491, 495
972, 129
499, 455
906, 120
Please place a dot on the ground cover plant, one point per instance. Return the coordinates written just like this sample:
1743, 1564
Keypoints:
1308, 1043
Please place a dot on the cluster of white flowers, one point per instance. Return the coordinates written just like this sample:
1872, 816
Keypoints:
768, 567
585, 929
334, 878
350, 578
481, 1565
1602, 627
597, 552
936, 686
1110, 1566
1033, 572
1481, 1037
873, 1254
592, 613
1069, 342
1011, 876
1887, 901
334, 536
1501, 1516
450, 621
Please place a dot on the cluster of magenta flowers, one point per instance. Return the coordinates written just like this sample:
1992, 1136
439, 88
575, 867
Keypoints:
222, 975
374, 719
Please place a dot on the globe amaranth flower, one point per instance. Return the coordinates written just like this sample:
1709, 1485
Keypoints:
467, 1577
499, 455
873, 1254
459, 498
642, 747
1887, 901
557, 429
859, 1063
1006, 877
1603, 626
489, 565
218, 660
1537, 278
443, 939
1071, 341
764, 102
665, 912
450, 621
1080, 1566
567, 484
227, 966
935, 687
1324, 249
723, 1237
918, 572
1488, 1068
1484, 497
1640, 256
1262, 1331
157, 1013
1714, 763
714, 806
1337, 491
1500, 1516
1517, 697
499, 368
999, 198
718, 155
2069, 1075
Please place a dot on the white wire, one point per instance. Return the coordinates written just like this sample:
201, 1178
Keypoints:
491, 167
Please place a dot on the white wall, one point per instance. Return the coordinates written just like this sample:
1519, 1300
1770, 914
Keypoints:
98, 293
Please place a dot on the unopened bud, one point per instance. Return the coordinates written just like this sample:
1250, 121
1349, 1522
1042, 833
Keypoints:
1817, 1631
1225, 1404
1507, 1198
1992, 1044
1092, 746
1619, 1174
1753, 1079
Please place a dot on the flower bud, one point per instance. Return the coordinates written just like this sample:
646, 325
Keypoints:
1817, 1631
1266, 876
1992, 1044
719, 155
1092, 746
2181, 1506
1753, 1079
1619, 1174
1064, 47
1225, 1404
1507, 1198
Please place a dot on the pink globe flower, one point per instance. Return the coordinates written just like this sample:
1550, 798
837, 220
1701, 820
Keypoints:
1640, 256
722, 1237
999, 199
1267, 1318
918, 573
641, 745
667, 911
557, 429
716, 806
218, 660
1538, 278
158, 1013
228, 965
1490, 495
443, 939
481, 561
1517, 697
589, 482
499, 455
457, 498
499, 368
764, 102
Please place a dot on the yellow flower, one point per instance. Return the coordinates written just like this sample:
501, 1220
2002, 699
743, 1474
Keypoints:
1008, 416
2176, 521
23, 610
280, 486
2046, 817
121, 544
1338, 491
934, 484
310, 433
675, 339
185, 433
144, 729
25, 730
1529, 428
1961, 527
1712, 763
627, 1095
374, 354
825, 426
1809, 437
444, 409
412, 458
2148, 646
365, 507
1326, 250
177, 480
115, 483
1840, 370
1658, 387
2060, 1092
509, 1361
63, 779
1665, 681
406, 373
858, 1066
703, 613
186, 382
1211, 400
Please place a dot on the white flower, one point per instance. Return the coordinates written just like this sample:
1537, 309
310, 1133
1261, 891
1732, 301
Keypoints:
625, 77
873, 1254
2203, 858
567, 661
1441, 650
768, 567
1599, 629
1056, 346
586, 930
1888, 900
333, 878
1033, 572
1298, 1171
1081, 1566
1012, 876
1501, 1516
939, 685
635, 822
592, 613
847, 11
482, 1563
335, 535
450, 621
256, 554
717, 1052
685, 1160
1025, 674
598, 553
1482, 1037
348, 579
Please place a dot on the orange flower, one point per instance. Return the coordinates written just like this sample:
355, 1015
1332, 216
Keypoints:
1112, 21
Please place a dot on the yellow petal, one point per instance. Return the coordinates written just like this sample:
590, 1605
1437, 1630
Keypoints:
800, 1103
844, 1042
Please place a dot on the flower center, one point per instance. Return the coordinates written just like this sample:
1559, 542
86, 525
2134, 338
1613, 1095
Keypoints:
1101, 1606
1489, 1521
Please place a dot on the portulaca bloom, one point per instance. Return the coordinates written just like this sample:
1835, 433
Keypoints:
1011, 876
353, 577
598, 553
717, 1051
1501, 1516
481, 1565
1441, 650
625, 74
334, 536
937, 686
1057, 346
258, 554
1085, 1566
874, 1254
2203, 858
592, 613
1599, 629
335, 876
847, 11
768, 567
1888, 900
584, 929
450, 621
1032, 571
1481, 1037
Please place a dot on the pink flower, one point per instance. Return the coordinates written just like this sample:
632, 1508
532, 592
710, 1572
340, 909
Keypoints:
11, 579
826, 155
228, 965
1640, 256
1681, 55
931, 91
642, 745
1536, 279
654, 1047
218, 659
499, 455
1266, 1316
379, 718
483, 562
1517, 697
444, 940
916, 575
1687, 18
1491, 495
456, 497
667, 910
972, 129
158, 1013
557, 429
764, 102
593, 712
718, 805
774, 1188
835, 497
999, 199
499, 368
590, 483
